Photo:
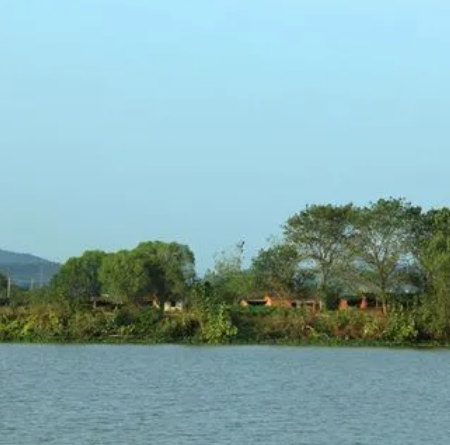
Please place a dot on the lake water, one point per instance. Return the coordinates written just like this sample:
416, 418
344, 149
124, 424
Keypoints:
173, 395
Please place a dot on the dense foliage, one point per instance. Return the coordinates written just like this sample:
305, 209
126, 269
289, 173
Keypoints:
394, 252
162, 270
218, 324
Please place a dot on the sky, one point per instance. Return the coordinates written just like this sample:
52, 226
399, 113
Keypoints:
210, 122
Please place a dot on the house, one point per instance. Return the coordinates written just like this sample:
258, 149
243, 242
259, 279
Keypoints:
267, 301
247, 303
363, 303
106, 301
174, 306
312, 304
270, 301
149, 301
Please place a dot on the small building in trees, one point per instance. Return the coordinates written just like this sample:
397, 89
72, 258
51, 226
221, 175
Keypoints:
364, 303
278, 302
148, 301
174, 306
267, 301
311, 304
106, 302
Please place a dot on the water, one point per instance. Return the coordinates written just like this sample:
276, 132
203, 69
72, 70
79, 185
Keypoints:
170, 395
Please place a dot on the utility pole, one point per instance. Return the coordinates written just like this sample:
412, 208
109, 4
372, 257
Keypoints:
8, 292
41, 276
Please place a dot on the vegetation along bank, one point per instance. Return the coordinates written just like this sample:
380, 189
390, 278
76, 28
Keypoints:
378, 274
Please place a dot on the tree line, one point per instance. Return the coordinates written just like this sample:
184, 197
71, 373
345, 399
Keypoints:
396, 252
164, 270
390, 249
387, 248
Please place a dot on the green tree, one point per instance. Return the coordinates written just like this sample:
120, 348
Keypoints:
229, 280
3, 282
216, 326
436, 260
125, 276
78, 278
321, 233
276, 270
424, 228
153, 268
171, 267
383, 243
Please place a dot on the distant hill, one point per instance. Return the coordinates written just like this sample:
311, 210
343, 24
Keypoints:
26, 270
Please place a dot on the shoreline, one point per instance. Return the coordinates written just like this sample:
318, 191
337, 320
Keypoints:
331, 343
234, 326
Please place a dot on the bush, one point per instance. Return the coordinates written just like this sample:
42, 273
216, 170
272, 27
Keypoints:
177, 328
401, 326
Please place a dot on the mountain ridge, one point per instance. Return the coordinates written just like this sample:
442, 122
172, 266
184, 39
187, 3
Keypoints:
26, 269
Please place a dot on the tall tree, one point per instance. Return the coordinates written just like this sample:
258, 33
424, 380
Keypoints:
320, 233
125, 276
436, 260
175, 267
276, 270
424, 228
383, 243
79, 276
3, 282
229, 280
153, 268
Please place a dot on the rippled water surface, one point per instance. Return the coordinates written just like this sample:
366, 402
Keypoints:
171, 395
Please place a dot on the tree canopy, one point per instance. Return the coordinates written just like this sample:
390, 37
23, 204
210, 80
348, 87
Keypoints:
382, 243
321, 233
277, 270
386, 248
78, 278
153, 268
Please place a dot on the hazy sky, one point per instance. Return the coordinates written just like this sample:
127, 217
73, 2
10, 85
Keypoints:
209, 122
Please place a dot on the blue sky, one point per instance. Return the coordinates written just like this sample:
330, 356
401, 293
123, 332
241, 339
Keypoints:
209, 122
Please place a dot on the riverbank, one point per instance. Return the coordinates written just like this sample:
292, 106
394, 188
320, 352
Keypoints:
66, 324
